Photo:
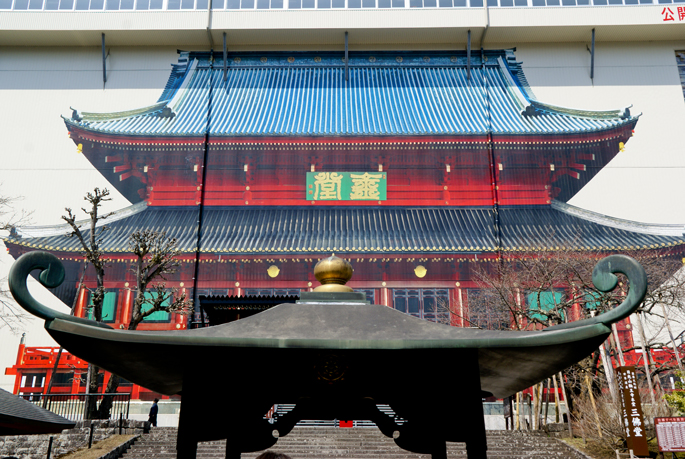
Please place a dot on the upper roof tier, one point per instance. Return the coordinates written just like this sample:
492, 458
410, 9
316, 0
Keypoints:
387, 94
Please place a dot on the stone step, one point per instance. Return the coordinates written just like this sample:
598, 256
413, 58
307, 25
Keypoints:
358, 443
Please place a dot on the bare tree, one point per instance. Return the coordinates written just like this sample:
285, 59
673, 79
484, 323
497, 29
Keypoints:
11, 316
533, 290
90, 247
156, 258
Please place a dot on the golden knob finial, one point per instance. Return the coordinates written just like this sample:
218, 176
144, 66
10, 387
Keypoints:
333, 273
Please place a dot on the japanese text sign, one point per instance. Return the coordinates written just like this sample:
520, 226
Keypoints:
670, 434
673, 14
631, 411
346, 186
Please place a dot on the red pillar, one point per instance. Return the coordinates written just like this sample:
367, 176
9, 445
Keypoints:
126, 307
105, 381
81, 304
135, 392
46, 383
178, 318
20, 361
76, 383
17, 382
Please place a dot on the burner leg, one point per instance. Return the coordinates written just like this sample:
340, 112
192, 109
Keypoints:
472, 410
440, 451
186, 441
186, 448
231, 451
475, 451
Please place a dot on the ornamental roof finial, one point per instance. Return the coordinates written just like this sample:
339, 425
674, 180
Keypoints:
333, 273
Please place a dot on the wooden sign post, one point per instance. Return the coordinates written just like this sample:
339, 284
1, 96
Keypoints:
631, 411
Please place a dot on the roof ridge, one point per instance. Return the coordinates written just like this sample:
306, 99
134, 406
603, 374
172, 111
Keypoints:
657, 229
622, 113
106, 116
55, 230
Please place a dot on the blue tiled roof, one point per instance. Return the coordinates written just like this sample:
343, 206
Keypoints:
307, 230
306, 94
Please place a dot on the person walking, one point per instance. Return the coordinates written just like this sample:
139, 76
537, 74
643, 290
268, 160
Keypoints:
154, 409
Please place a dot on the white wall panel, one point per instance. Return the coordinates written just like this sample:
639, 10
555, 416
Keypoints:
643, 182
39, 162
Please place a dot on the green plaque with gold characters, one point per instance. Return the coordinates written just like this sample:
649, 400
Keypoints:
346, 186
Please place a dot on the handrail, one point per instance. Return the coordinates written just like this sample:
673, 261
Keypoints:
73, 406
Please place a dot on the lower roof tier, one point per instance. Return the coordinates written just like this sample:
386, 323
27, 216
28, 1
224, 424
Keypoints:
398, 230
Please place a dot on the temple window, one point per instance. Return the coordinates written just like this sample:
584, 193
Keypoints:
63, 379
370, 294
544, 302
424, 303
109, 307
485, 313
33, 380
118, 5
272, 292
157, 316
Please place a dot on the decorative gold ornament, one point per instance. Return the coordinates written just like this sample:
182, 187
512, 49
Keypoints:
236, 60
420, 271
333, 273
372, 59
291, 59
263, 60
331, 368
317, 59
273, 271
399, 59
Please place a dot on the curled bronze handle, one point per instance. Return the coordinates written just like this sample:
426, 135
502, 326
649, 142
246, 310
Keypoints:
605, 280
51, 276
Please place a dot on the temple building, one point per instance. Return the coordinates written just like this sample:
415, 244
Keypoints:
420, 152
414, 166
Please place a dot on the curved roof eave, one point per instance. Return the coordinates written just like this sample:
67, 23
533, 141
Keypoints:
236, 231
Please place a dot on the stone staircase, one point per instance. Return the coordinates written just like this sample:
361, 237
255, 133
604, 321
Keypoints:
358, 443
36, 446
